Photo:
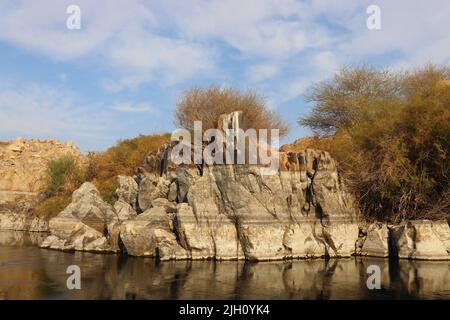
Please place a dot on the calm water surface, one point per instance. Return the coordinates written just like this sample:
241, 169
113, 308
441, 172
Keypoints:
27, 272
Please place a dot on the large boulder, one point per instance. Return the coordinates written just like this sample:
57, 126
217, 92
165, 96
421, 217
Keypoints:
152, 187
422, 239
151, 234
375, 242
127, 192
87, 224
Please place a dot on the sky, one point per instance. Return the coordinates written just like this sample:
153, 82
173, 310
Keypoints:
122, 72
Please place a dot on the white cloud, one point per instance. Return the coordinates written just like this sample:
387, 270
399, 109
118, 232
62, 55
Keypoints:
261, 72
134, 107
121, 35
280, 46
41, 111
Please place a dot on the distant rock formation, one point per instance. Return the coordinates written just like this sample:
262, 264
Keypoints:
23, 165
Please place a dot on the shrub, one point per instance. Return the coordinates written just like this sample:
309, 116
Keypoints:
207, 104
63, 176
394, 147
121, 159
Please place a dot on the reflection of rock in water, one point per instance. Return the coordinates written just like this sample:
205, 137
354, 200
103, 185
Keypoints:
32, 273
20, 274
21, 238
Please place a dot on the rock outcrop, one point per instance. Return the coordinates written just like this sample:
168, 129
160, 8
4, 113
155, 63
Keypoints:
23, 165
228, 212
87, 224
232, 212
422, 239
374, 241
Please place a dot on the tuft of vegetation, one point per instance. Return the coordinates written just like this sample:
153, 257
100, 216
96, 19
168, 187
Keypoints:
207, 104
65, 175
121, 159
391, 136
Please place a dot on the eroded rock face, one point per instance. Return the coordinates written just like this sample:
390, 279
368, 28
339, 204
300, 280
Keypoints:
151, 234
375, 242
234, 212
87, 224
422, 239
126, 207
16, 212
23, 162
228, 212
23, 165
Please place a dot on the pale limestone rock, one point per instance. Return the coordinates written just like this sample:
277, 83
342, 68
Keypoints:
23, 163
150, 188
422, 239
127, 190
124, 210
376, 243
151, 234
235, 212
87, 224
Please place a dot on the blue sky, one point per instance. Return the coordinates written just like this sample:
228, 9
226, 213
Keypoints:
121, 74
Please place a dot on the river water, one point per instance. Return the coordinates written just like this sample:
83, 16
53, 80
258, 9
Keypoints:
27, 272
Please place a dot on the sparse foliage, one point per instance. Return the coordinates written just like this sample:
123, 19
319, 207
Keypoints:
393, 143
207, 104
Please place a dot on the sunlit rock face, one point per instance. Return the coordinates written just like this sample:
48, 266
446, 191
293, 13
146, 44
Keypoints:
228, 212
422, 239
374, 241
23, 165
87, 224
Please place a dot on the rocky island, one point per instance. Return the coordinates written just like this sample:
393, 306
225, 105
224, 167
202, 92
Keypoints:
221, 212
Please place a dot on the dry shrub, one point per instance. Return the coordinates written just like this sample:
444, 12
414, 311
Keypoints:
315, 142
207, 104
65, 176
393, 147
121, 159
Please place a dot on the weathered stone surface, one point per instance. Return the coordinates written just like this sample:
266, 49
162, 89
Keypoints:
16, 212
422, 239
124, 210
376, 241
235, 212
152, 187
23, 221
151, 234
127, 190
87, 224
23, 162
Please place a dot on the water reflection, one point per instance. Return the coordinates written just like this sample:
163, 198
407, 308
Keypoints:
27, 272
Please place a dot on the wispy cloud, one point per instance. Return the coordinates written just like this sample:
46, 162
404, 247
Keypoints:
136, 51
134, 108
